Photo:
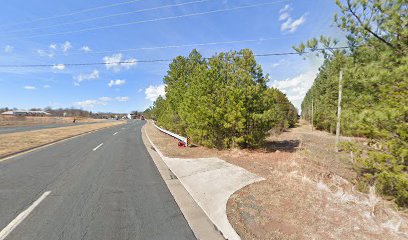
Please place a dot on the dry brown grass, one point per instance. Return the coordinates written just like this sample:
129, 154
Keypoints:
308, 191
11, 121
16, 142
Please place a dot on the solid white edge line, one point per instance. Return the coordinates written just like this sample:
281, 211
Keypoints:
13, 224
96, 148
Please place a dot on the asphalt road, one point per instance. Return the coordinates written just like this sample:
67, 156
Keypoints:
4, 130
102, 185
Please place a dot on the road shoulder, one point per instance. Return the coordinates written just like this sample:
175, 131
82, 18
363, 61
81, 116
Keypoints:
200, 224
209, 180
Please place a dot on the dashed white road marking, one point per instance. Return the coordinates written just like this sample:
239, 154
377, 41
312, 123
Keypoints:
96, 148
13, 224
115, 133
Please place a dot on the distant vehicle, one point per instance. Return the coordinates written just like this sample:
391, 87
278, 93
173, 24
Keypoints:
142, 118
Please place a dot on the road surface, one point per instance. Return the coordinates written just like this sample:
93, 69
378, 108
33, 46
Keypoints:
14, 129
102, 185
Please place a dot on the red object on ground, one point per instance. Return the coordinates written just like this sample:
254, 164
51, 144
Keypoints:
181, 144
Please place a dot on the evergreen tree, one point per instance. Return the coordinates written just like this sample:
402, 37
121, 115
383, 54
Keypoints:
221, 102
375, 102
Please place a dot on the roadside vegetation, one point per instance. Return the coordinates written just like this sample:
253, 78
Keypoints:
222, 102
375, 91
307, 191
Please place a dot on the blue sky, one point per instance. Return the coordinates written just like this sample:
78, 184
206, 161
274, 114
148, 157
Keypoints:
57, 32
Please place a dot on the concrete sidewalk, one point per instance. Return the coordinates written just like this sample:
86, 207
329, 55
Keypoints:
210, 182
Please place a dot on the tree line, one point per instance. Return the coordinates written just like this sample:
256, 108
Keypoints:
222, 102
69, 112
375, 91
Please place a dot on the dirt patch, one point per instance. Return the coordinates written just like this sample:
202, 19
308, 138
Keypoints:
16, 142
308, 191
14, 121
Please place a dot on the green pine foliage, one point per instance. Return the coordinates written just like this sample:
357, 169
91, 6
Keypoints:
222, 102
375, 91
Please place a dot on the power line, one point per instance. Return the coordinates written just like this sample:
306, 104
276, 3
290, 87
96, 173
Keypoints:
107, 16
72, 13
184, 45
297, 53
151, 60
157, 19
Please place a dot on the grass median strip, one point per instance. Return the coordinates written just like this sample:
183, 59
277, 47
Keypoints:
11, 143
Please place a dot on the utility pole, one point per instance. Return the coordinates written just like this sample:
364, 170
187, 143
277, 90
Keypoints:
339, 110
312, 113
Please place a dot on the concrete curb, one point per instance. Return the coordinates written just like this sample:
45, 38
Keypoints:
210, 182
196, 218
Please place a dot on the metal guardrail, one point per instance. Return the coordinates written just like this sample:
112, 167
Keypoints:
180, 138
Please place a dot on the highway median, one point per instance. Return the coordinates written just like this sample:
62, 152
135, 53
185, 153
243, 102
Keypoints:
14, 143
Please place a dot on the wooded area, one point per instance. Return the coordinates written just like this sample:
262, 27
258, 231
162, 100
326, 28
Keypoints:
375, 91
222, 102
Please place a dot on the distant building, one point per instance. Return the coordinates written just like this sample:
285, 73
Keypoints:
25, 113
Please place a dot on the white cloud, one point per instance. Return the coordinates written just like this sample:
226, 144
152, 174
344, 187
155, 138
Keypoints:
286, 8
66, 46
102, 101
58, 67
153, 92
296, 87
89, 103
290, 24
53, 46
140, 90
45, 53
295, 98
29, 87
105, 99
122, 99
85, 49
46, 86
41, 52
117, 82
86, 76
284, 16
116, 63
277, 64
8, 49
302, 81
